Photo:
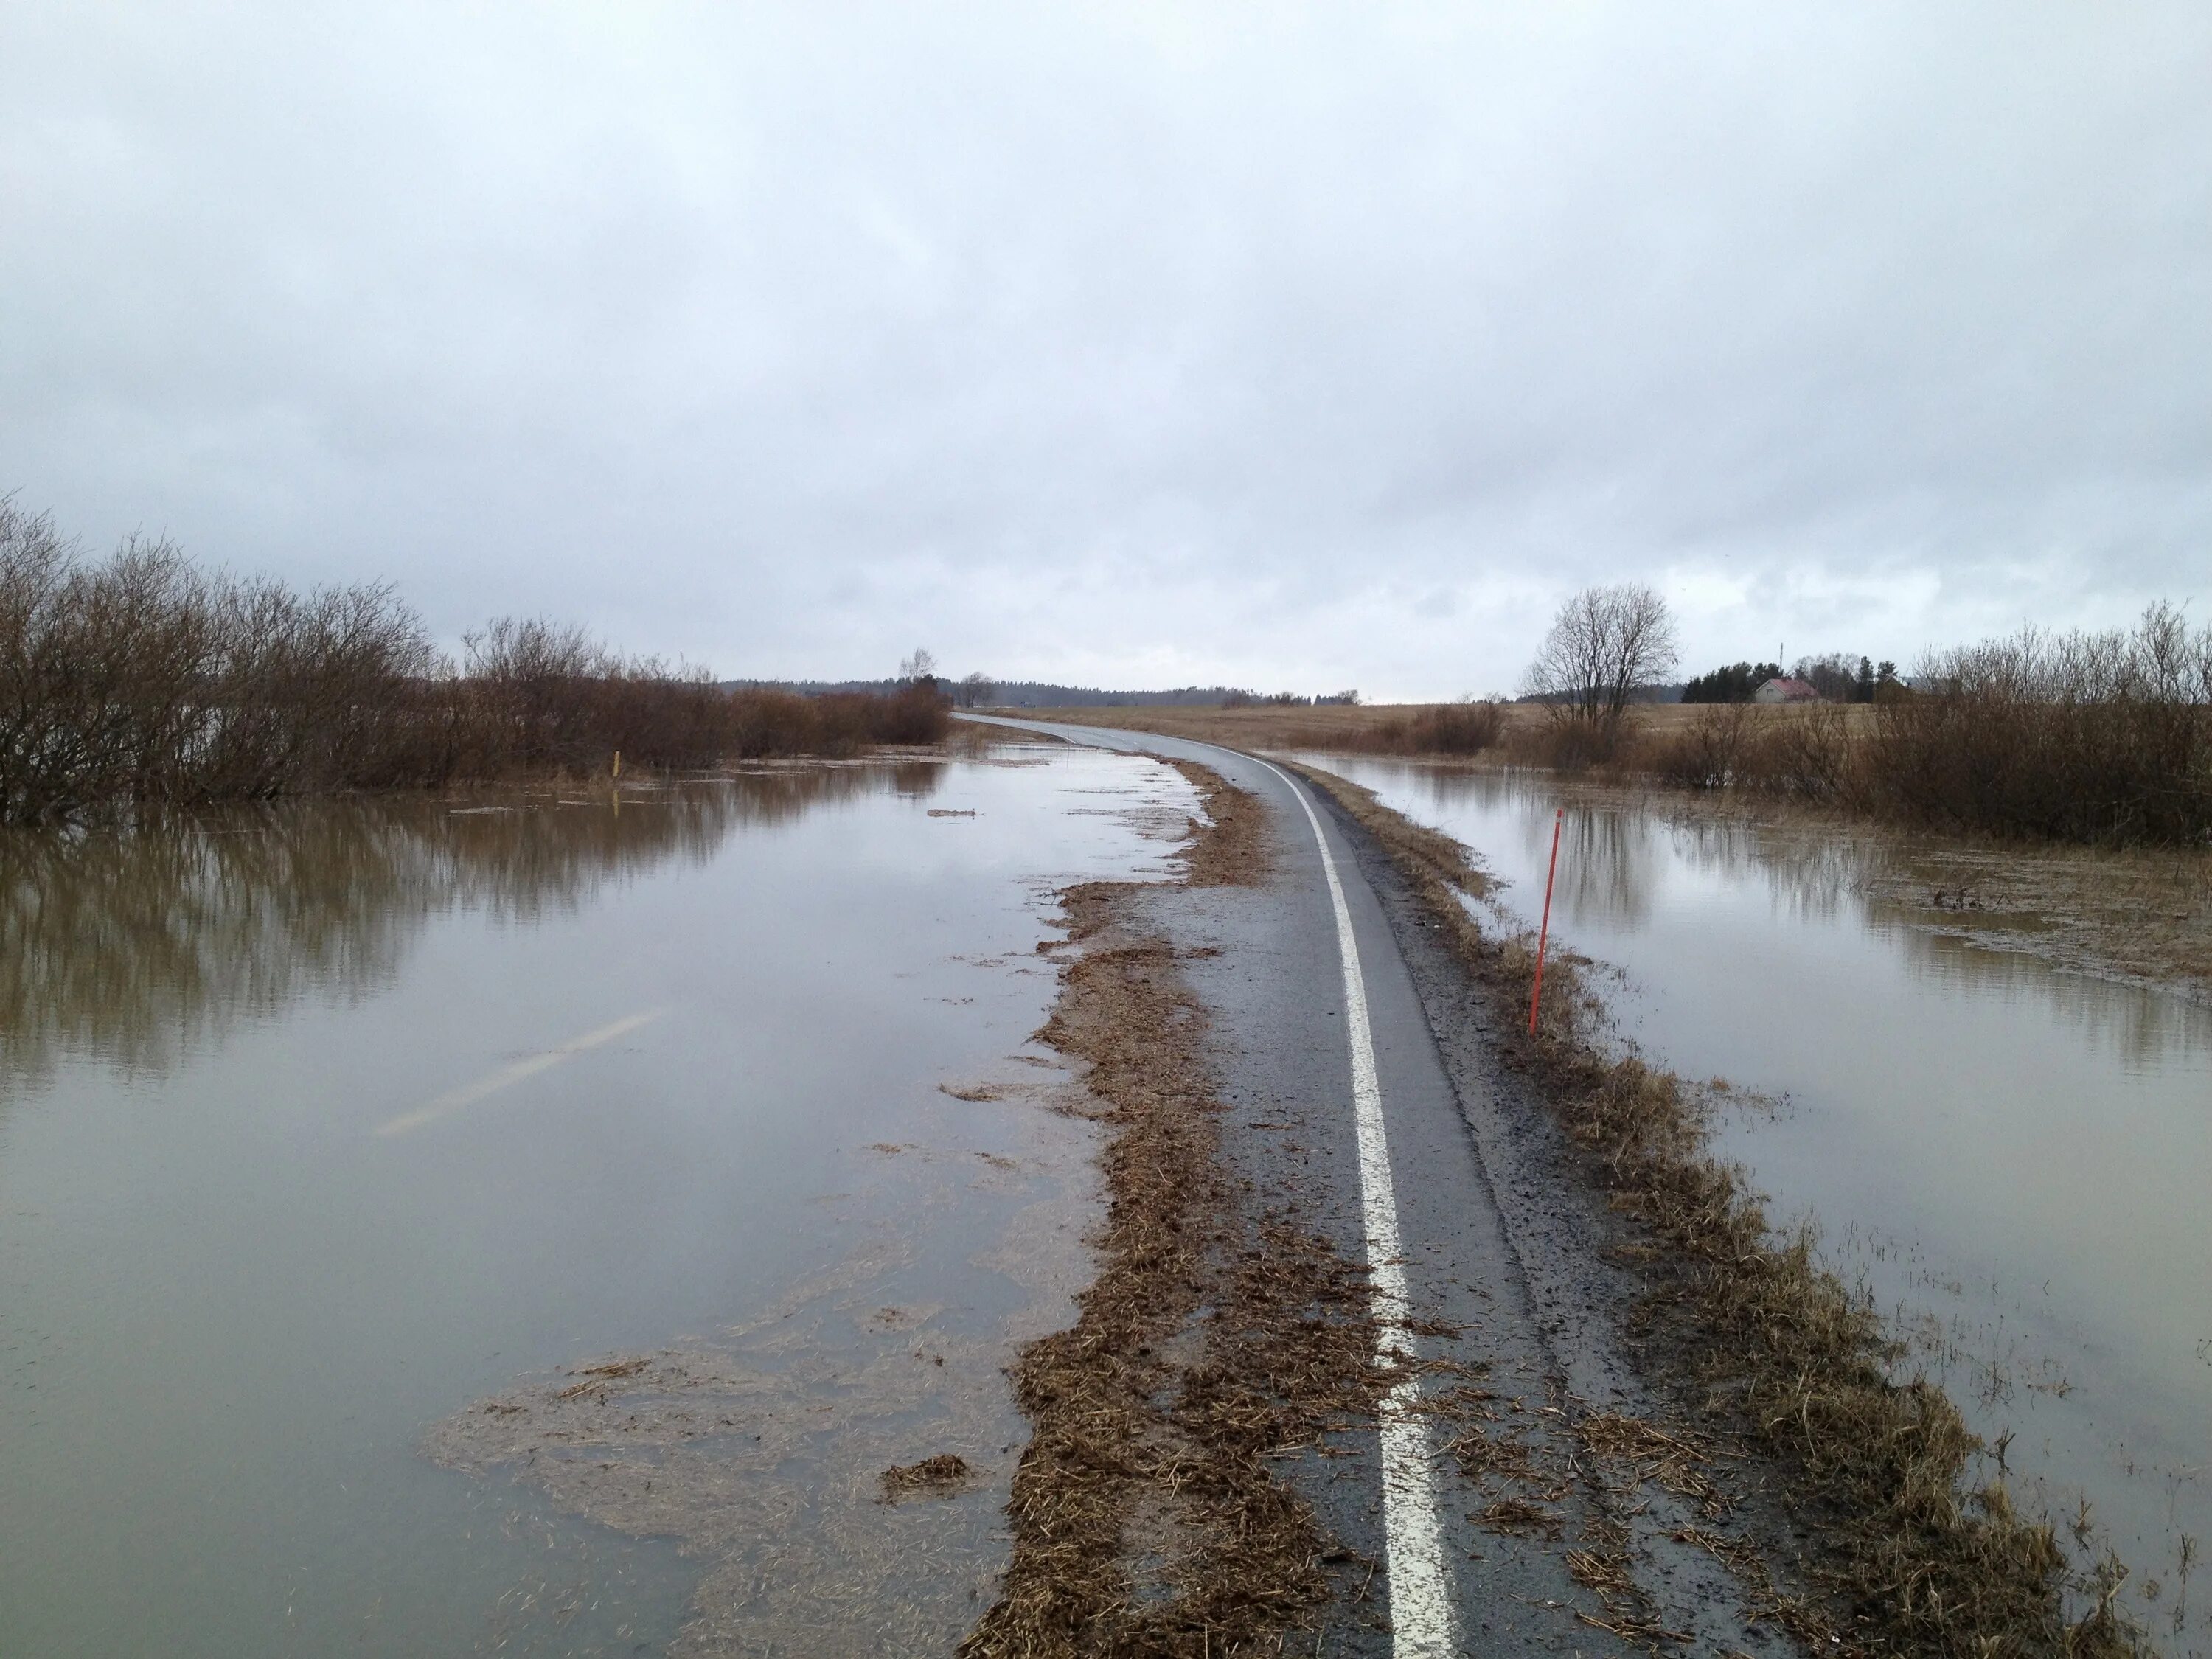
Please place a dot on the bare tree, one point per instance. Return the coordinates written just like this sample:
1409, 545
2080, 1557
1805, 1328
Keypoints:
976, 691
1606, 644
920, 669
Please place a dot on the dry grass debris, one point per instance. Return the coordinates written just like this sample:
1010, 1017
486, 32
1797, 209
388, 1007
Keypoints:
1147, 1515
944, 1473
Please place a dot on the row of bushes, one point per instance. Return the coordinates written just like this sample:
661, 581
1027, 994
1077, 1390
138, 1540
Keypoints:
1455, 728
2099, 738
141, 680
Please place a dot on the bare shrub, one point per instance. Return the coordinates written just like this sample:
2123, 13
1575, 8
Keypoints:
1569, 744
914, 716
2102, 738
1707, 753
1804, 752
1461, 728
531, 681
301, 692
141, 681
1451, 728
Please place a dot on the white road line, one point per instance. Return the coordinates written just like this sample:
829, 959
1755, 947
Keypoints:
507, 1076
1421, 1620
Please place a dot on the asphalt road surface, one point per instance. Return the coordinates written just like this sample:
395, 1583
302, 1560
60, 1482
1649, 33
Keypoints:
1439, 1170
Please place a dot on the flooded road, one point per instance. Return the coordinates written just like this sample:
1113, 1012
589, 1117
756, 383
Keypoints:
2010, 1158
328, 1133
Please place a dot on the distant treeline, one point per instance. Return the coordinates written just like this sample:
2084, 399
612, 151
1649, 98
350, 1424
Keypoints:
1665, 692
980, 690
141, 680
1835, 678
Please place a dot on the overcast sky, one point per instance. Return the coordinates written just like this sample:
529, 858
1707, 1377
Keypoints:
1309, 347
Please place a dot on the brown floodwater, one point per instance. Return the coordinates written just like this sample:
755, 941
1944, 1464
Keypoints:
359, 1159
2009, 1158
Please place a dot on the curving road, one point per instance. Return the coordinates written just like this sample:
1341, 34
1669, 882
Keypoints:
1361, 1079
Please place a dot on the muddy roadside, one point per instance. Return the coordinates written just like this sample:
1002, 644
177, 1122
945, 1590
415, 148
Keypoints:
1872, 1541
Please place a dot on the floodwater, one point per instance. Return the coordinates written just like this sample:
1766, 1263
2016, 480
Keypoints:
2011, 1160
330, 1134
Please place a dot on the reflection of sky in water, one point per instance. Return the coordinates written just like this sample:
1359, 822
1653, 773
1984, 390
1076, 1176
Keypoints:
2012, 1158
318, 1124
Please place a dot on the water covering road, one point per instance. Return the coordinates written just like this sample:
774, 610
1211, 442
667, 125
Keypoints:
318, 1125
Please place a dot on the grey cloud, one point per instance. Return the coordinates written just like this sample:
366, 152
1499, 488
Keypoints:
1315, 347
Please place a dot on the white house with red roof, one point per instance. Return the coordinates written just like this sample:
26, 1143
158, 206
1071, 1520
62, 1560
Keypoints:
1783, 689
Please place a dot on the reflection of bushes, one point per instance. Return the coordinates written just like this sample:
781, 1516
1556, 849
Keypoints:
125, 945
143, 682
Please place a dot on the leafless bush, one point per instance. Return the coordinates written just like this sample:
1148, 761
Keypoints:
1452, 728
1709, 753
139, 680
1804, 752
1569, 744
1461, 728
2087, 737
534, 685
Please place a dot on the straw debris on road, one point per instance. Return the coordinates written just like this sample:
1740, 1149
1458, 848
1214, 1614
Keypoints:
1146, 1518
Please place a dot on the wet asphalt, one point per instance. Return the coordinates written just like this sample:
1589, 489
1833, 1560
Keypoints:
1503, 1244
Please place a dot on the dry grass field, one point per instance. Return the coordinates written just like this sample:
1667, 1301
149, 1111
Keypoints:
1392, 728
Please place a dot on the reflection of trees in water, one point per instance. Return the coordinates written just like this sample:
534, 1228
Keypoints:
1608, 857
132, 946
2147, 1029
1815, 874
1820, 873
1608, 864
1810, 880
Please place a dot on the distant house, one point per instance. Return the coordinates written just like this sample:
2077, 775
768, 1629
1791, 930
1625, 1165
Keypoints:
1783, 689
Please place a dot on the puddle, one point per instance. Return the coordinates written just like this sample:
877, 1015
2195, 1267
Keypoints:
338, 1142
2009, 1158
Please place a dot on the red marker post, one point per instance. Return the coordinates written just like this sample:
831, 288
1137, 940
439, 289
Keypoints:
1544, 931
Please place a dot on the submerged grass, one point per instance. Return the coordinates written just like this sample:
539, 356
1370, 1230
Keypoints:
1901, 1560
1146, 1515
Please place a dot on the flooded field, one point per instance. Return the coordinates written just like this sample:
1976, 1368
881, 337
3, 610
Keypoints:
533, 1225
2009, 1158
